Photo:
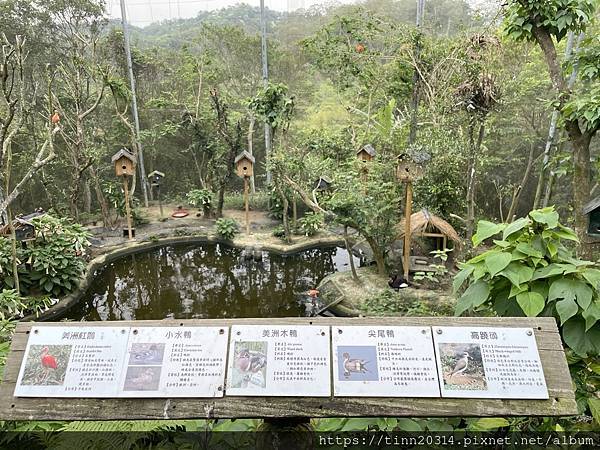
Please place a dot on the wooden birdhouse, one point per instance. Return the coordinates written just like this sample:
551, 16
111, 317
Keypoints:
244, 163
592, 210
124, 162
407, 170
367, 153
155, 178
322, 184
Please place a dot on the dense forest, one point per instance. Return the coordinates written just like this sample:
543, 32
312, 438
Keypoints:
484, 108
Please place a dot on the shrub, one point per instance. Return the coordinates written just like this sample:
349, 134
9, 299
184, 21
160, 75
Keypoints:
51, 264
227, 228
202, 199
530, 272
13, 306
311, 223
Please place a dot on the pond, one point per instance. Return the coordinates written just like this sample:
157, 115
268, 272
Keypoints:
206, 281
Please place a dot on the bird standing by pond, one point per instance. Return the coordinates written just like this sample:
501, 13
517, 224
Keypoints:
48, 363
354, 365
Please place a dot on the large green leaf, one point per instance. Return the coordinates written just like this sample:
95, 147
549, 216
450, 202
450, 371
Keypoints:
548, 271
531, 303
409, 425
488, 423
566, 309
546, 215
496, 262
517, 273
594, 404
591, 315
475, 295
517, 225
592, 276
581, 341
460, 278
486, 230
529, 250
570, 288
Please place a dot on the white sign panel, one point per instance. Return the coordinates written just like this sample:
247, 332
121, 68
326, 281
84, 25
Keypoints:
175, 362
279, 360
383, 361
72, 362
477, 362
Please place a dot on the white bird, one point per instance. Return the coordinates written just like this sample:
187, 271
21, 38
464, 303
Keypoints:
461, 364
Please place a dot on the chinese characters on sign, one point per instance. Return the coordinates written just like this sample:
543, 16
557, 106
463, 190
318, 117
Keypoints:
71, 362
376, 361
279, 360
175, 362
475, 362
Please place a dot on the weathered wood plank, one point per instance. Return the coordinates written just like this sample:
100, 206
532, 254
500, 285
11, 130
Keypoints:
561, 402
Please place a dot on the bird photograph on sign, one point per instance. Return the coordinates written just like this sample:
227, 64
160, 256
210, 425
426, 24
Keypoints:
46, 365
462, 366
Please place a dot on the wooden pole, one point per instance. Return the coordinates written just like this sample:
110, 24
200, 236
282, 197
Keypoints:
246, 205
407, 234
127, 208
159, 201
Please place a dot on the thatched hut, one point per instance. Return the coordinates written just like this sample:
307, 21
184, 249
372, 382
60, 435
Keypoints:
434, 232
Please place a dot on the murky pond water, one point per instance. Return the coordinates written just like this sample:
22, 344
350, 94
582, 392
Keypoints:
206, 281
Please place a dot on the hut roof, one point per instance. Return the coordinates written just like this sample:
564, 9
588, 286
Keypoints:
591, 205
157, 173
425, 222
246, 155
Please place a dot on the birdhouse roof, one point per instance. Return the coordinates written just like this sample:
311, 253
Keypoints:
591, 205
243, 155
423, 221
325, 179
123, 153
156, 173
369, 149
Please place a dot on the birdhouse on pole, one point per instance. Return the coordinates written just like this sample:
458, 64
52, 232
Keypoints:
367, 153
155, 178
411, 165
124, 162
322, 184
244, 163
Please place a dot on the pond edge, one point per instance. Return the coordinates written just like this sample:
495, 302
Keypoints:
127, 249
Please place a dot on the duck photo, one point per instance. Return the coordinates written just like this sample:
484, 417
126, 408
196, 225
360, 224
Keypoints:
146, 354
249, 368
357, 363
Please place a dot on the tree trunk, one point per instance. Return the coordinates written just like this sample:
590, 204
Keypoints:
350, 255
519, 189
472, 174
377, 254
581, 192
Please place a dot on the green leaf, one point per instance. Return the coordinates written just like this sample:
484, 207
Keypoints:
581, 341
527, 249
517, 273
566, 309
460, 278
547, 272
531, 303
592, 276
496, 262
486, 230
515, 226
409, 425
488, 423
571, 289
475, 295
591, 315
594, 404
547, 216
